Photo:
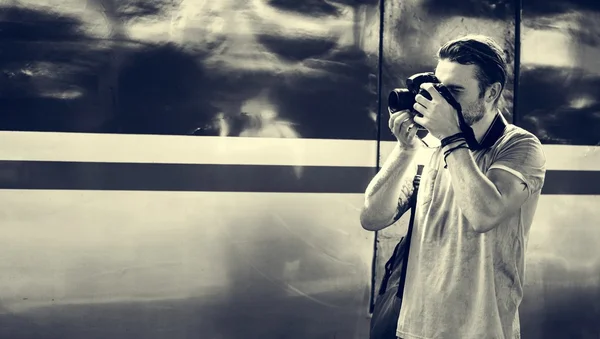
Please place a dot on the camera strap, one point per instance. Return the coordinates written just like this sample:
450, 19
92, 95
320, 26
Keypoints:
494, 132
491, 135
468, 131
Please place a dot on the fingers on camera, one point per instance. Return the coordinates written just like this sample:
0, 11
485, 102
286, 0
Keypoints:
399, 122
394, 117
401, 126
411, 132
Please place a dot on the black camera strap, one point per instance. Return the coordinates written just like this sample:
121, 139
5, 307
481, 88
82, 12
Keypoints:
464, 127
492, 134
411, 222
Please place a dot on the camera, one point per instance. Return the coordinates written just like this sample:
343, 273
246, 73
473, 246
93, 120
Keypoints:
404, 98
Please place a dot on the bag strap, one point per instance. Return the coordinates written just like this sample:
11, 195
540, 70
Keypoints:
413, 204
389, 265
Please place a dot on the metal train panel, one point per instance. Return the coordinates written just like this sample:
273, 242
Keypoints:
86, 255
562, 283
191, 67
122, 264
233, 222
560, 73
558, 101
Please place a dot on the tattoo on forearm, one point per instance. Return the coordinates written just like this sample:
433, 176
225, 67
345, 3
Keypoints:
404, 199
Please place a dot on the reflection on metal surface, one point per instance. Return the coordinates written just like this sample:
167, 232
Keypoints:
152, 68
562, 286
215, 265
560, 76
480, 9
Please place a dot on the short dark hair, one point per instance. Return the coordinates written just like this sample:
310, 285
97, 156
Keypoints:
481, 51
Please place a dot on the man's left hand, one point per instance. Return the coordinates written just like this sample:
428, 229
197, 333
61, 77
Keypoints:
439, 117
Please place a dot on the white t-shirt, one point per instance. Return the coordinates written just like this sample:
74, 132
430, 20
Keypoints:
461, 284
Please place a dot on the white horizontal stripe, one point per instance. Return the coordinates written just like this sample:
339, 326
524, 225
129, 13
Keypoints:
186, 149
566, 157
558, 157
234, 150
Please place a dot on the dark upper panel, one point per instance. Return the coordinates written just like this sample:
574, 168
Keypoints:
481, 9
414, 30
271, 68
560, 75
503, 9
534, 8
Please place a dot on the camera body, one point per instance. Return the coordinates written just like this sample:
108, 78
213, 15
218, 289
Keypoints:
404, 98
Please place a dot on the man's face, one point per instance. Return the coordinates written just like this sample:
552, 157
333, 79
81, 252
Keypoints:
462, 82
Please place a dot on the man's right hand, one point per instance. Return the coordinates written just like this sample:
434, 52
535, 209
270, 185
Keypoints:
389, 192
403, 127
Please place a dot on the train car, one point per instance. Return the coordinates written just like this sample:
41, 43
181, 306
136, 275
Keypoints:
196, 169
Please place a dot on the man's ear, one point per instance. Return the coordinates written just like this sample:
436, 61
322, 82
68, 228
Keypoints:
493, 92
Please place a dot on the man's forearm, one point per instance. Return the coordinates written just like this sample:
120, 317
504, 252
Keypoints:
387, 190
476, 195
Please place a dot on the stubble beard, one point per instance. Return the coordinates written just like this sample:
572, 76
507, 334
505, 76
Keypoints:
474, 112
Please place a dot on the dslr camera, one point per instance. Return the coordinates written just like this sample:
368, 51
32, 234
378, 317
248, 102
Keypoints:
404, 98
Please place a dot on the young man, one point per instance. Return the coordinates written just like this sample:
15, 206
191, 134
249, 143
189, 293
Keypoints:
475, 205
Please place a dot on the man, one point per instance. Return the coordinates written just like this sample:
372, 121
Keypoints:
475, 206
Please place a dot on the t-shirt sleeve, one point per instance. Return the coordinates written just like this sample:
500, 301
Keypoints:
523, 156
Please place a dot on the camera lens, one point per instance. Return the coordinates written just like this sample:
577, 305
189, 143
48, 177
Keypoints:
400, 99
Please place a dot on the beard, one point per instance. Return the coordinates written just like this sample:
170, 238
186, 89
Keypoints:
474, 111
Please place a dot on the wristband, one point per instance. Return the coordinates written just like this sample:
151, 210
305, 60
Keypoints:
453, 138
447, 153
